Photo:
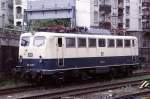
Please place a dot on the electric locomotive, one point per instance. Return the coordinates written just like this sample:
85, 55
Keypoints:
48, 53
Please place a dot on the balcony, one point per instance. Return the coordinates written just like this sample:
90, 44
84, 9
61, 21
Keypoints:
120, 5
120, 12
120, 20
10, 4
18, 2
106, 8
146, 3
145, 44
10, 17
19, 16
146, 26
120, 25
105, 25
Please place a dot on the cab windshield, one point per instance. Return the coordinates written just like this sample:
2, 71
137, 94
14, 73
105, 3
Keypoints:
39, 41
25, 41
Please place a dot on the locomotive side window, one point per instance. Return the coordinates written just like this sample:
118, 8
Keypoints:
59, 42
81, 42
92, 42
39, 41
127, 43
111, 43
102, 42
119, 43
70, 42
25, 41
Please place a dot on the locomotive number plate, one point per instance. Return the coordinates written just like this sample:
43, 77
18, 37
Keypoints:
30, 54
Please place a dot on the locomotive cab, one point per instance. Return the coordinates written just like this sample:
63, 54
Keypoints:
31, 53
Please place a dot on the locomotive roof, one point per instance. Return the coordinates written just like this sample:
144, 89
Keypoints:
52, 34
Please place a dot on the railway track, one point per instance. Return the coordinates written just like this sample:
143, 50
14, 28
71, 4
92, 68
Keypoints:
38, 93
134, 94
18, 89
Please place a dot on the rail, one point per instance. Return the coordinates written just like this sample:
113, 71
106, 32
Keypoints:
41, 92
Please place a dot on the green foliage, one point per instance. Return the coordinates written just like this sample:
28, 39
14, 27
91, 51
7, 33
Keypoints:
35, 24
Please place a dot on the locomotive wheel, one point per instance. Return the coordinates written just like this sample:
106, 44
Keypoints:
113, 73
39, 79
83, 76
129, 72
59, 78
17, 76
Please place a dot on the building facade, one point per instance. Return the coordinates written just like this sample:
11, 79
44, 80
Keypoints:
51, 9
98, 13
6, 15
145, 35
120, 16
132, 17
19, 7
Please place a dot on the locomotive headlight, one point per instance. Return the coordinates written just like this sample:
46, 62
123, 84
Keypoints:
20, 59
40, 60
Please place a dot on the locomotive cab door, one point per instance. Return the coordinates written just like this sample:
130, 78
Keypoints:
133, 50
60, 51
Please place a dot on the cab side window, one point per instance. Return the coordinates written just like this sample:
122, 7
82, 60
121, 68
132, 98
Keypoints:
70, 42
101, 42
127, 43
111, 43
92, 42
81, 42
119, 43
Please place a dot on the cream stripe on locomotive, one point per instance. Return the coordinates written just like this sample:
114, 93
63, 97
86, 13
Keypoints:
83, 45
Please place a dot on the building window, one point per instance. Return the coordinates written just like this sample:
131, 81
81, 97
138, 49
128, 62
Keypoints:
43, 6
92, 42
140, 26
55, 11
95, 17
140, 10
101, 42
95, 2
18, 2
119, 42
30, 13
43, 12
127, 23
30, 6
68, 11
56, 5
111, 43
81, 42
69, 5
18, 10
128, 1
3, 5
70, 42
127, 10
19, 24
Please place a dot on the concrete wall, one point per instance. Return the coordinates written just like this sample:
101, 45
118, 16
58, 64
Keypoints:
49, 9
134, 15
6, 13
83, 13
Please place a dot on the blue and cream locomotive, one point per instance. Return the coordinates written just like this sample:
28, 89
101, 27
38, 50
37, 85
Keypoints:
47, 53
